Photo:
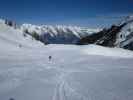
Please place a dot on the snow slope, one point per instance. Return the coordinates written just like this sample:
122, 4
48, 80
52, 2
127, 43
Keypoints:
74, 73
105, 51
15, 37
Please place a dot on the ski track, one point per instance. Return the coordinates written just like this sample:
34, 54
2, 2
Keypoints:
58, 72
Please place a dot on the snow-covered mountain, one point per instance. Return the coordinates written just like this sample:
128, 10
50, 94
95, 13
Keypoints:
120, 35
59, 34
124, 38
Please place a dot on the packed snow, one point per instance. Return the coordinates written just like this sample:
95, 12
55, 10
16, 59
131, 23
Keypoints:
105, 51
73, 73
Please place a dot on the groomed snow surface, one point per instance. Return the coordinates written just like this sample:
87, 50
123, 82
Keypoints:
74, 72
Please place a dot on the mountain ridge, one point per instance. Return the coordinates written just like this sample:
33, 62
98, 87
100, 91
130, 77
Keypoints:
118, 35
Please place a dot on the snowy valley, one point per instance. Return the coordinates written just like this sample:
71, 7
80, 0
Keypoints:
74, 72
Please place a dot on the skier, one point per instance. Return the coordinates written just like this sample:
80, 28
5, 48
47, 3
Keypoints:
50, 57
11, 99
20, 45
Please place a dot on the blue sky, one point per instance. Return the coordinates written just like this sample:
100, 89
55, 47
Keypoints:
91, 13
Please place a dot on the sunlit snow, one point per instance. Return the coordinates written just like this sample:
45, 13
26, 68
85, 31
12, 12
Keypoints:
74, 72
